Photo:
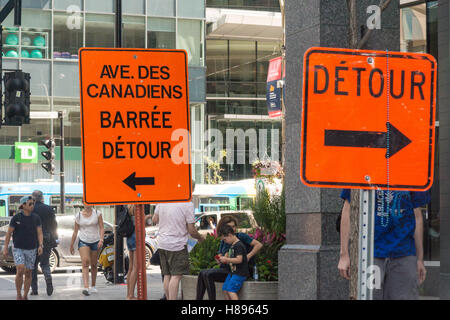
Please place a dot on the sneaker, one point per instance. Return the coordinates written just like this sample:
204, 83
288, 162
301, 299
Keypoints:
49, 287
93, 290
85, 292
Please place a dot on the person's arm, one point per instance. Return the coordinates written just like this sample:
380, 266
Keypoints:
54, 225
74, 237
101, 229
155, 218
344, 260
236, 260
194, 233
7, 238
146, 218
256, 246
40, 239
418, 239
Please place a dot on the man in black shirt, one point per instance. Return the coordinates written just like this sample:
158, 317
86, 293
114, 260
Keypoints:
49, 231
26, 230
237, 259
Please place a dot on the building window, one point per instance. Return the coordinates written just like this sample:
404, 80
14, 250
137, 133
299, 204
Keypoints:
66, 4
190, 39
263, 5
418, 33
162, 8
99, 31
191, 8
101, 6
161, 33
413, 28
68, 35
133, 32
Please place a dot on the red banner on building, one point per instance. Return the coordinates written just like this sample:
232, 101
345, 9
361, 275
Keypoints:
273, 93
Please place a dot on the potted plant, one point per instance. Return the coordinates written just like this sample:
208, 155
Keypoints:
270, 216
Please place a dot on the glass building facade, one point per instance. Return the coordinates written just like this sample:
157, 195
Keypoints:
46, 45
418, 33
236, 93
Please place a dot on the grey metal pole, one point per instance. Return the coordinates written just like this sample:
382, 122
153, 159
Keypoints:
118, 240
366, 268
61, 163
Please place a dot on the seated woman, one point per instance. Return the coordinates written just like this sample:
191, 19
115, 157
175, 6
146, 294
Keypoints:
208, 277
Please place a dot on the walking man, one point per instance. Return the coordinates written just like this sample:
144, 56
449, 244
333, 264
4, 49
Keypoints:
26, 230
398, 243
176, 222
49, 231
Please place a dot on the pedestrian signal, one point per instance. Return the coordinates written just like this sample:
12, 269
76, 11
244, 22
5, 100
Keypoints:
49, 155
17, 98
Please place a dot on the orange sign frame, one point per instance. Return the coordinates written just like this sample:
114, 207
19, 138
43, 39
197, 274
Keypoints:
135, 120
368, 119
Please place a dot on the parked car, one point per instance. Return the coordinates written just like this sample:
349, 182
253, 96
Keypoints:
61, 256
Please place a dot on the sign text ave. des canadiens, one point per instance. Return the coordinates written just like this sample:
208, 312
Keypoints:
368, 119
135, 125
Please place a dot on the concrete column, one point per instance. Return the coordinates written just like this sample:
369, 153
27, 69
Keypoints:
308, 262
444, 142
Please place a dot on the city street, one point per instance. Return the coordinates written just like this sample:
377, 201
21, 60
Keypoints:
67, 283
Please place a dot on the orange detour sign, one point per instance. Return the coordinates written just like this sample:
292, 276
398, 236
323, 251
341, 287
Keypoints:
368, 119
134, 125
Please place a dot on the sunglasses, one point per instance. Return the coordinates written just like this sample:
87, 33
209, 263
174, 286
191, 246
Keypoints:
29, 203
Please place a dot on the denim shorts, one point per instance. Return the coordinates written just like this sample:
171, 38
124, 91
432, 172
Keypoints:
233, 283
131, 242
25, 257
93, 246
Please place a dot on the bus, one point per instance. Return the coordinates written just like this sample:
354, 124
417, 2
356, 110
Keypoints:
238, 195
10, 194
233, 195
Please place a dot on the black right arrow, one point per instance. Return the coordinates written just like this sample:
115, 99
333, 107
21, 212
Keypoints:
368, 139
132, 181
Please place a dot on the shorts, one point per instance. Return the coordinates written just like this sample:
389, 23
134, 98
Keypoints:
233, 283
25, 257
399, 279
131, 242
174, 263
93, 246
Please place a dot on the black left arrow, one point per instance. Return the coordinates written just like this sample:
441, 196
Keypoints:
368, 139
132, 181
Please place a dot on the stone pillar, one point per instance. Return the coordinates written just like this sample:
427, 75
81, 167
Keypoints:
308, 262
444, 142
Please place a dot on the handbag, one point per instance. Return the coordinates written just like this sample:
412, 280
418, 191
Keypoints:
155, 260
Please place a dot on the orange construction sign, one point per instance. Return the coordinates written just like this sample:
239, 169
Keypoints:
134, 125
368, 119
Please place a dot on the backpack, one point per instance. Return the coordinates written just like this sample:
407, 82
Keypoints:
125, 225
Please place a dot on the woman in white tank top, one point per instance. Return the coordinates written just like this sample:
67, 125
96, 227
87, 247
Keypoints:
89, 224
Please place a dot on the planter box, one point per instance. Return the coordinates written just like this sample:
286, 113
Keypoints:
251, 290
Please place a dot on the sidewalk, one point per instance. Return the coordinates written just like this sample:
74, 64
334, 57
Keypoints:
67, 286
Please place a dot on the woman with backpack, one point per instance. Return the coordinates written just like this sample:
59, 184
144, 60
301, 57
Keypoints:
89, 223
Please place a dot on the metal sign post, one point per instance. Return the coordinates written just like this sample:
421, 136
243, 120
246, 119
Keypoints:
140, 252
366, 244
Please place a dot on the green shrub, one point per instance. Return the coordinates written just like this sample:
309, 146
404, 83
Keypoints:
270, 215
202, 255
269, 212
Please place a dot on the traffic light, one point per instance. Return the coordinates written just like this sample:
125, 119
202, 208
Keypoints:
49, 155
17, 98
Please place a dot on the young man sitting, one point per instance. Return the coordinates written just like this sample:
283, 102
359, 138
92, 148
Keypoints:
237, 259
